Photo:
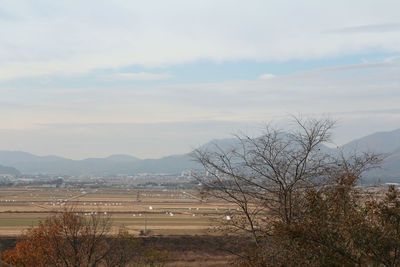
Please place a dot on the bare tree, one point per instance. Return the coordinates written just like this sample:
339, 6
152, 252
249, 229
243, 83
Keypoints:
297, 199
265, 175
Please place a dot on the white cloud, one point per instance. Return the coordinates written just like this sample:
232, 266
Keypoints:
266, 76
140, 76
329, 90
69, 37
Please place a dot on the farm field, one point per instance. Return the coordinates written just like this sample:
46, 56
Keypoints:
159, 211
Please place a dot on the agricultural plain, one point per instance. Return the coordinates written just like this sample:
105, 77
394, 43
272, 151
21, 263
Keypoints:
155, 211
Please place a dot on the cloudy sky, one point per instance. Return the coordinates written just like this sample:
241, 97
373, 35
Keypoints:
152, 78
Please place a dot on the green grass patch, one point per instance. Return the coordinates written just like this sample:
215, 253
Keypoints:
171, 219
19, 222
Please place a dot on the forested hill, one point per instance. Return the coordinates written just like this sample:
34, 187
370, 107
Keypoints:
4, 170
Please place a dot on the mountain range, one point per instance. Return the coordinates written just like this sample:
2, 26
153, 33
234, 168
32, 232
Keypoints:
115, 164
387, 143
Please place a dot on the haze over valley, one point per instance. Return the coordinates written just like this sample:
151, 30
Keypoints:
17, 162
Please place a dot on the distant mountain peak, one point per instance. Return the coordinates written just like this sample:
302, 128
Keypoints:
122, 158
379, 142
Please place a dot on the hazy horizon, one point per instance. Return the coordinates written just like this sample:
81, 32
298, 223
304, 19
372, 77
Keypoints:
333, 143
91, 79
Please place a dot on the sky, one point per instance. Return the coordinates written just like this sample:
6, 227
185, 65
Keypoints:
152, 78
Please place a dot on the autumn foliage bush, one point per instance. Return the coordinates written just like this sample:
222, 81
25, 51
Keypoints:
339, 227
73, 240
